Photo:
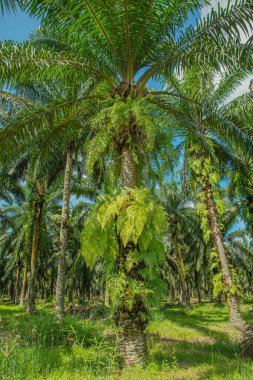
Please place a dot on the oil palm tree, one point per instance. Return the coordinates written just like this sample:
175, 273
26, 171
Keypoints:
63, 128
239, 247
13, 232
180, 214
27, 240
126, 59
124, 45
207, 124
241, 185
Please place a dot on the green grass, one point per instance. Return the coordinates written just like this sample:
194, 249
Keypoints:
195, 344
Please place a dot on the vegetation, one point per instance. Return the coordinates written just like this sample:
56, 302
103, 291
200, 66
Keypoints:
183, 344
118, 200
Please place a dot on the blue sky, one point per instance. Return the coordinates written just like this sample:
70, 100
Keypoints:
16, 26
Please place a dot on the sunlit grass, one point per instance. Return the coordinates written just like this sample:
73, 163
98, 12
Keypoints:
183, 344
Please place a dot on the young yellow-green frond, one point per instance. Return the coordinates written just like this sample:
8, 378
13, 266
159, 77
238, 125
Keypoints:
134, 217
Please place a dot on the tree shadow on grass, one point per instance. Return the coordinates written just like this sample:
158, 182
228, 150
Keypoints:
197, 323
218, 359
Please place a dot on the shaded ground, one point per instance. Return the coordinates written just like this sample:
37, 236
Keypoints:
196, 344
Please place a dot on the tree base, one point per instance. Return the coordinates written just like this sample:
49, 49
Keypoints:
131, 337
30, 310
247, 342
132, 349
235, 317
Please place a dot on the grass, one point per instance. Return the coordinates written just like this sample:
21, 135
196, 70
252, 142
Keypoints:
195, 344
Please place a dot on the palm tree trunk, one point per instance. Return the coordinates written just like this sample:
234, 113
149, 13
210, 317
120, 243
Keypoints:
235, 316
197, 285
71, 284
131, 326
184, 294
24, 282
250, 210
34, 255
70, 293
172, 292
106, 295
61, 271
17, 278
128, 169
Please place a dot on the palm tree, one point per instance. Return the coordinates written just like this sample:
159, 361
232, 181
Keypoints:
239, 246
241, 173
124, 46
12, 244
210, 122
14, 226
180, 211
21, 230
60, 284
38, 208
66, 129
241, 185
25, 245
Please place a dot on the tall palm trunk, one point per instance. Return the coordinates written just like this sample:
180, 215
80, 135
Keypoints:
17, 278
197, 285
106, 295
24, 283
34, 254
128, 169
71, 283
235, 316
131, 335
185, 296
61, 271
249, 200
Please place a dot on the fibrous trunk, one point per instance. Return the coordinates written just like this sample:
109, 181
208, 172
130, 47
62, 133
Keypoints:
17, 277
34, 255
131, 326
131, 335
128, 169
185, 296
24, 282
250, 210
60, 284
235, 317
197, 286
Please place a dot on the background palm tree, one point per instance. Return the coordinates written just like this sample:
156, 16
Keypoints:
180, 211
207, 124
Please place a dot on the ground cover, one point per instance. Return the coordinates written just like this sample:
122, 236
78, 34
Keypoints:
183, 344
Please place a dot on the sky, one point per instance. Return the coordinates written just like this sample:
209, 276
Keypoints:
16, 27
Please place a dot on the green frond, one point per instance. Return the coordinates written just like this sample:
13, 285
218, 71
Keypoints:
8, 5
20, 62
134, 217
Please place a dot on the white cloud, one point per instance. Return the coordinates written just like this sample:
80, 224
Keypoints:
213, 4
244, 87
223, 3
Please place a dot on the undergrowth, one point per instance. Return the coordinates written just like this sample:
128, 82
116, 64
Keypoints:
183, 344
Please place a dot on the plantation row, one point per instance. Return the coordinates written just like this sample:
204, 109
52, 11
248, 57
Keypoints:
126, 160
